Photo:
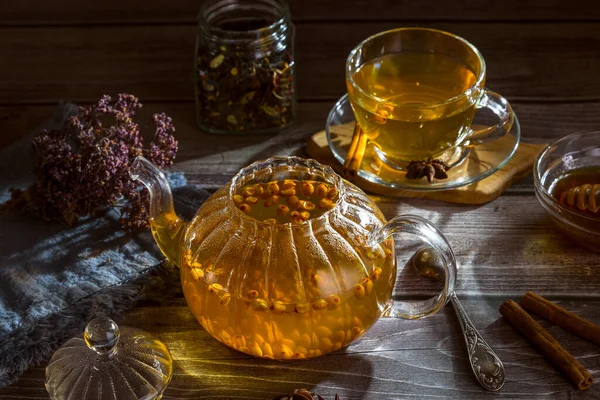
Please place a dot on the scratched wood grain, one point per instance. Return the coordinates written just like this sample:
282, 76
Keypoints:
505, 248
539, 121
536, 61
185, 11
549, 71
397, 359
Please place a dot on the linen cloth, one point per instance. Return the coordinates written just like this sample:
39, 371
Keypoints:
54, 279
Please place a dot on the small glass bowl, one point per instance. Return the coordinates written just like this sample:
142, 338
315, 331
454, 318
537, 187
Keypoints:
569, 153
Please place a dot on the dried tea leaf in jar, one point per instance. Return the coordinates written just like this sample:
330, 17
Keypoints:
244, 69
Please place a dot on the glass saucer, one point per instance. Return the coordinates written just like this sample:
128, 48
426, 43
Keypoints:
479, 162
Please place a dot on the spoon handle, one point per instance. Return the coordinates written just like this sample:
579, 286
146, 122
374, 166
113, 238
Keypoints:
486, 365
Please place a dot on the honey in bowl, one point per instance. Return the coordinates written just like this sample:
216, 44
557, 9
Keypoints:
579, 190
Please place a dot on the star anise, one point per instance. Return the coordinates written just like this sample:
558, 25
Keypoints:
303, 394
430, 168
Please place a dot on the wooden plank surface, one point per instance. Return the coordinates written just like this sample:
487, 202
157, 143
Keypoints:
397, 359
537, 61
185, 11
543, 55
539, 121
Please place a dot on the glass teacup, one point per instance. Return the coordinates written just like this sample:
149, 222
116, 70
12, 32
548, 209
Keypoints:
416, 91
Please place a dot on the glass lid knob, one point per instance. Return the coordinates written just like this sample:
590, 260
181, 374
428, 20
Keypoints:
101, 335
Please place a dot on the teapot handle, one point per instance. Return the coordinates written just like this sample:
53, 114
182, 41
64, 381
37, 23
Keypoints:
432, 236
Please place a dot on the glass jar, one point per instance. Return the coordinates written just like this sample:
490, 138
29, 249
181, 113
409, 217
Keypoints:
244, 66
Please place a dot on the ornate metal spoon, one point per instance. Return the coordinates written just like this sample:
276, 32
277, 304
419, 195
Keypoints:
486, 365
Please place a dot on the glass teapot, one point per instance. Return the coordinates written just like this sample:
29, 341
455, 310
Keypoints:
288, 260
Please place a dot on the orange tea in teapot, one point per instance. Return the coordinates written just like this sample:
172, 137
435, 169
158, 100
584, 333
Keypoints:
311, 317
288, 260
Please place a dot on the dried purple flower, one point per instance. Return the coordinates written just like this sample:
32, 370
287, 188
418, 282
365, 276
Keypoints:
82, 169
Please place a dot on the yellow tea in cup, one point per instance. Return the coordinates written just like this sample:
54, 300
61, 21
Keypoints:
415, 93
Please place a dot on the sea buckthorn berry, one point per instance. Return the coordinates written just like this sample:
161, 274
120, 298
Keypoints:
334, 301
287, 192
225, 299
339, 336
359, 291
315, 279
197, 273
288, 342
252, 200
320, 304
253, 294
323, 331
267, 350
326, 204
302, 307
255, 349
325, 344
273, 188
367, 284
258, 339
308, 189
381, 116
293, 201
375, 274
388, 253
333, 192
249, 191
260, 305
357, 322
215, 288
272, 221
288, 184
282, 210
278, 307
239, 340
284, 352
356, 331
259, 190
307, 205
295, 214
245, 208
226, 337
304, 215
271, 201
237, 199
322, 190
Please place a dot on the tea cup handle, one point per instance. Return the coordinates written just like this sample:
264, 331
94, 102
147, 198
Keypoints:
432, 236
502, 109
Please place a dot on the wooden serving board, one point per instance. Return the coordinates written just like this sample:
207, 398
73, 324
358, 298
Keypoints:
484, 191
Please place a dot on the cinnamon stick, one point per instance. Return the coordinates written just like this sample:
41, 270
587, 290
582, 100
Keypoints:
355, 154
540, 337
561, 317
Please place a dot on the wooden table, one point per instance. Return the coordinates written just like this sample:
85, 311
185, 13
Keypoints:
544, 56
